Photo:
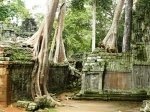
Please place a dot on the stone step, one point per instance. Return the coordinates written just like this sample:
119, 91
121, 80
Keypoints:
4, 58
112, 97
1, 51
1, 54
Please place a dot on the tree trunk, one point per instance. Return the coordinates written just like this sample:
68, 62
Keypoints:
60, 55
41, 52
127, 26
42, 56
110, 40
45, 70
94, 25
50, 15
53, 45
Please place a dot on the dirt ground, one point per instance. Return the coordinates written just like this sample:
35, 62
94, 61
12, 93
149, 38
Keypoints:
87, 106
97, 106
11, 108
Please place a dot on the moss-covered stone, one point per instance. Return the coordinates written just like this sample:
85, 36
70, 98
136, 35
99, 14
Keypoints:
126, 71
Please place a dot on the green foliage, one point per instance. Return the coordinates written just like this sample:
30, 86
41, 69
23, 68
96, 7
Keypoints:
77, 5
43, 102
6, 10
141, 21
141, 53
104, 4
143, 11
20, 54
39, 18
104, 16
52, 110
78, 27
22, 12
77, 31
11, 9
120, 32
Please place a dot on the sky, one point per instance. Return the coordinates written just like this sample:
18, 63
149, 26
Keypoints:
40, 3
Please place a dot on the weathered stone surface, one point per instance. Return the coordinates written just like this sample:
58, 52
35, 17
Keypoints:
117, 71
43, 101
5, 98
23, 104
146, 106
45, 110
32, 106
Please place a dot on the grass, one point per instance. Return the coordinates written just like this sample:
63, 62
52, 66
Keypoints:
52, 110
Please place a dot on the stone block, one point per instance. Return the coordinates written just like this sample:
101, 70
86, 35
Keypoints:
3, 103
3, 80
45, 110
146, 106
2, 70
32, 106
23, 104
1, 54
3, 99
95, 68
4, 58
91, 59
1, 49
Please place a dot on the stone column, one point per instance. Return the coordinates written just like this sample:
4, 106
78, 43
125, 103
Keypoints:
100, 83
82, 84
5, 88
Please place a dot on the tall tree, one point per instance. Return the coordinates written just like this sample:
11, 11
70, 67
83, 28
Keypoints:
13, 9
141, 21
60, 55
104, 16
40, 40
94, 25
109, 41
77, 28
127, 26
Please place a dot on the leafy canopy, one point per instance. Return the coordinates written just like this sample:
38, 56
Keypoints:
13, 8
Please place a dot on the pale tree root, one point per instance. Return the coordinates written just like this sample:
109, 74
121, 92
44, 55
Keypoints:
109, 41
109, 48
101, 44
47, 101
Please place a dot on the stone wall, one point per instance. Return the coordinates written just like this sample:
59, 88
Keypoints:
117, 81
5, 84
20, 81
11, 31
15, 81
5, 87
58, 78
141, 77
124, 76
15, 75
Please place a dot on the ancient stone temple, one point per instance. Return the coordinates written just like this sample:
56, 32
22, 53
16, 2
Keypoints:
10, 31
117, 76
7, 30
29, 27
15, 69
16, 66
15, 61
